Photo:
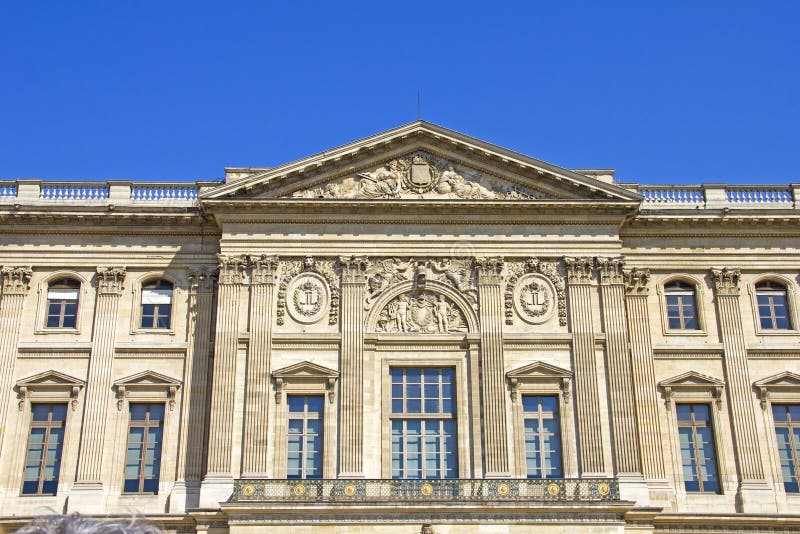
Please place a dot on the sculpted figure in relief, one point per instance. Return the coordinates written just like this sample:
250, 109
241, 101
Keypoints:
384, 182
422, 312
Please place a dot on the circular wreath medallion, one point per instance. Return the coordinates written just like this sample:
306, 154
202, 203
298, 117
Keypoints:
603, 489
307, 298
299, 490
503, 489
350, 490
426, 489
553, 489
534, 298
248, 490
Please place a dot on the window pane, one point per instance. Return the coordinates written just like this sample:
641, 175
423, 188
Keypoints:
45, 444
697, 448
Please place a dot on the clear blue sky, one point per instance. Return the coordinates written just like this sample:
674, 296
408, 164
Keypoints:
665, 92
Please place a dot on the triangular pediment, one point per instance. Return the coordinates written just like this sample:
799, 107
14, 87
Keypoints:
50, 379
305, 370
148, 379
691, 379
538, 370
418, 161
786, 379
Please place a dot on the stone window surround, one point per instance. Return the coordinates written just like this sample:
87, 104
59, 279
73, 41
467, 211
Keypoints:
791, 305
136, 312
41, 303
540, 378
292, 380
461, 412
699, 298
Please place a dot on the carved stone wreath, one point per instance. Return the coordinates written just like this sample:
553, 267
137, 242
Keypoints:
309, 298
520, 282
533, 298
323, 269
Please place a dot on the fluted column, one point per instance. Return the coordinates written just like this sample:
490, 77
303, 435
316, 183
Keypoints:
644, 378
618, 364
579, 276
98, 386
16, 283
352, 367
191, 457
493, 392
262, 290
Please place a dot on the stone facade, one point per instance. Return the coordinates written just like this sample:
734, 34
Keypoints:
332, 280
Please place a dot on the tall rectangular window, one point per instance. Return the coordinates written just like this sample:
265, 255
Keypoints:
423, 423
697, 448
45, 443
787, 431
143, 460
305, 439
542, 436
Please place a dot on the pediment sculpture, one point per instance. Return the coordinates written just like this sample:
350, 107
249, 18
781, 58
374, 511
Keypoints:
458, 273
421, 312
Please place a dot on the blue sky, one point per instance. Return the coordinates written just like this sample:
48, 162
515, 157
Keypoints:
665, 92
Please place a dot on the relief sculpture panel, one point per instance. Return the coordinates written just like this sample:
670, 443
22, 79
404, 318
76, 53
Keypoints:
421, 312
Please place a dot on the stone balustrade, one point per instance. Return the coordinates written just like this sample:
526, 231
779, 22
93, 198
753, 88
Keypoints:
719, 196
112, 191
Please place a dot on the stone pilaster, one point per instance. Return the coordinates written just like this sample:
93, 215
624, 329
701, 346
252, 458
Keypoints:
218, 482
618, 364
16, 283
740, 398
88, 487
493, 392
351, 414
579, 278
262, 291
190, 461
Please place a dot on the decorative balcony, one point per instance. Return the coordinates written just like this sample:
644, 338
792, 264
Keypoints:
338, 491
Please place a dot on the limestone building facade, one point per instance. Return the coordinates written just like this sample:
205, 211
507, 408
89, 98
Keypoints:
415, 332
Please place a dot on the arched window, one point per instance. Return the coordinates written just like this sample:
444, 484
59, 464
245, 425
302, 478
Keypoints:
681, 303
156, 304
773, 310
62, 303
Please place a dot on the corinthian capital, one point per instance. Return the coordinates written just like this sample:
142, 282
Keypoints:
579, 270
726, 281
263, 269
201, 280
636, 281
490, 270
610, 270
354, 269
232, 269
110, 279
16, 280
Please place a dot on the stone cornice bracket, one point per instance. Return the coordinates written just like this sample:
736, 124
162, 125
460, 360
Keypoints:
110, 280
354, 269
16, 280
610, 270
201, 280
726, 281
579, 270
636, 281
232, 269
263, 269
490, 269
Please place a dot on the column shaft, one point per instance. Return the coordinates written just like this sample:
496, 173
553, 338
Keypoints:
16, 282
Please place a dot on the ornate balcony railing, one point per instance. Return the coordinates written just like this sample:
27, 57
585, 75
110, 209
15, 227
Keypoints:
421, 491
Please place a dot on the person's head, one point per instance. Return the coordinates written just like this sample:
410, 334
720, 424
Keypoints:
78, 524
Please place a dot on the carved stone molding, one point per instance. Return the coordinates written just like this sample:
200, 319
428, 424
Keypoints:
232, 269
692, 386
782, 387
263, 269
147, 386
421, 312
636, 281
579, 270
201, 280
726, 281
16, 280
520, 274
354, 269
328, 285
490, 270
610, 270
49, 386
538, 373
301, 377
110, 280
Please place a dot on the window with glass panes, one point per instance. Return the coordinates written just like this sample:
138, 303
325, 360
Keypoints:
423, 423
681, 306
542, 436
45, 443
787, 431
697, 448
156, 304
143, 459
305, 438
62, 303
773, 313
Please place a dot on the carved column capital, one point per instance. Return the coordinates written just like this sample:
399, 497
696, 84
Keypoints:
579, 270
354, 269
16, 280
636, 281
263, 269
201, 280
490, 270
610, 270
232, 269
726, 281
110, 279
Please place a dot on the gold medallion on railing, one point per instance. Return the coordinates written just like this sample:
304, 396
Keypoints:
553, 490
350, 490
299, 490
426, 489
603, 489
502, 489
248, 490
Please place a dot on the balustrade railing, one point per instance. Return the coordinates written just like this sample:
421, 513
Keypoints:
718, 196
68, 191
755, 194
8, 189
682, 195
421, 491
164, 192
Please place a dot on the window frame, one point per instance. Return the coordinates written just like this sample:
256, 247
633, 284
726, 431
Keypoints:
791, 306
31, 425
42, 305
695, 437
133, 423
306, 416
781, 388
136, 300
699, 296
